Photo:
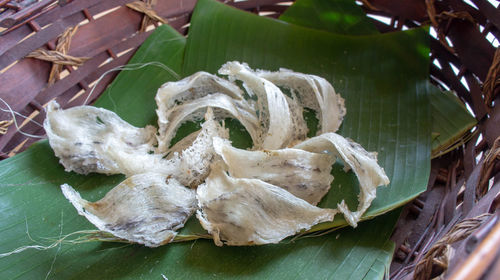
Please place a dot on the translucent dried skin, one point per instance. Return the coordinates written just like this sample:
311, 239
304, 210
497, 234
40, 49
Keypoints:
363, 163
252, 212
304, 174
171, 120
271, 191
193, 87
274, 113
184, 100
299, 125
88, 139
312, 92
192, 165
145, 208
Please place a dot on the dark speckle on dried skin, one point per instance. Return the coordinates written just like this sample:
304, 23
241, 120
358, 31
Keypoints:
302, 186
124, 226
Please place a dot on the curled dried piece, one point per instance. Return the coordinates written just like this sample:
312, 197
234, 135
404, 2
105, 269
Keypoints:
192, 165
88, 139
184, 100
312, 92
274, 113
251, 211
364, 164
224, 106
304, 174
145, 208
193, 87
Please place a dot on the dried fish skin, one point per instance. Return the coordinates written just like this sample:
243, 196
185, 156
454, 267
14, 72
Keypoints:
88, 139
304, 174
274, 113
364, 164
223, 105
312, 92
252, 212
145, 208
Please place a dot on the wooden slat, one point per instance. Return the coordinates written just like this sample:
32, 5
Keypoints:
22, 82
489, 11
475, 52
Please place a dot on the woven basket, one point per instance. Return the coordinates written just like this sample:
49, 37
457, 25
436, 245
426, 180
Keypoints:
459, 208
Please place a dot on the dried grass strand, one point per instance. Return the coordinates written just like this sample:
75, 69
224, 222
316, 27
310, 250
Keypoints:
57, 57
63, 44
437, 254
4, 126
492, 81
431, 12
147, 9
490, 160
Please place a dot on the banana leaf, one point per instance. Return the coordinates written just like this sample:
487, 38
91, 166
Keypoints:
384, 85
382, 78
451, 121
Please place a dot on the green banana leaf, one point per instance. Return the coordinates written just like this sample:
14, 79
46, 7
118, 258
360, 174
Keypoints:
337, 16
451, 121
382, 78
384, 85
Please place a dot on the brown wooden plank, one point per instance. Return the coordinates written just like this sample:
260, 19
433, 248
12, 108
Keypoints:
169, 9
37, 40
26, 12
477, 103
404, 9
105, 32
459, 5
453, 82
474, 50
94, 6
60, 19
492, 13
89, 67
11, 39
22, 82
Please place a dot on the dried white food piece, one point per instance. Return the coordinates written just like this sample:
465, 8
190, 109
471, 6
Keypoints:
251, 211
145, 208
182, 144
304, 174
312, 92
88, 139
224, 106
193, 87
300, 129
185, 100
192, 165
364, 164
274, 113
